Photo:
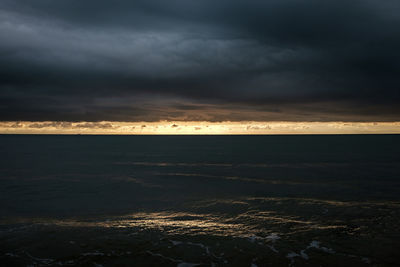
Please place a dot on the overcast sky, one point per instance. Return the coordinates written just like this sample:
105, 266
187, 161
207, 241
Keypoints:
279, 60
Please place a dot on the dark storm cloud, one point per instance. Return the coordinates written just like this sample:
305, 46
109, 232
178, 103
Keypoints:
199, 60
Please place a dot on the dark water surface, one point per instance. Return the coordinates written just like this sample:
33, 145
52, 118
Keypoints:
200, 200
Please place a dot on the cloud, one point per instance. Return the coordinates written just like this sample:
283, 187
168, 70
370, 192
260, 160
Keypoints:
199, 60
195, 127
257, 127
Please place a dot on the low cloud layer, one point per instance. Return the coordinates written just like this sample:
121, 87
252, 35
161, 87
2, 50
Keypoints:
195, 127
200, 60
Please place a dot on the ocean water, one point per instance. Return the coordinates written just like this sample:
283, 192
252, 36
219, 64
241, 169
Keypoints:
316, 200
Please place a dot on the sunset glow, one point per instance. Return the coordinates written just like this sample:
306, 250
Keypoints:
198, 128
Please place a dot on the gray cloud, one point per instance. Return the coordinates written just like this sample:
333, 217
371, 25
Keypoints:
199, 60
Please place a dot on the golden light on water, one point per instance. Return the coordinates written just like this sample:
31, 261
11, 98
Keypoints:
197, 127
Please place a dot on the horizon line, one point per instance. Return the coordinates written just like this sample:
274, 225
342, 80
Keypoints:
198, 128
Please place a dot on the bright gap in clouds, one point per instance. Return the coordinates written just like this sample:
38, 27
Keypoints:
198, 128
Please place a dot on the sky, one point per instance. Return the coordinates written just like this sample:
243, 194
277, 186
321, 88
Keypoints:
220, 61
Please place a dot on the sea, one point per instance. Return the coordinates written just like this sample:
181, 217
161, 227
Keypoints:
272, 200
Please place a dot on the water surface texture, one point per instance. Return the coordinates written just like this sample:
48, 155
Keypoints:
200, 200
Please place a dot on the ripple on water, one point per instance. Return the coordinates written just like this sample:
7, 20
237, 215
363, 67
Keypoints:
269, 228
